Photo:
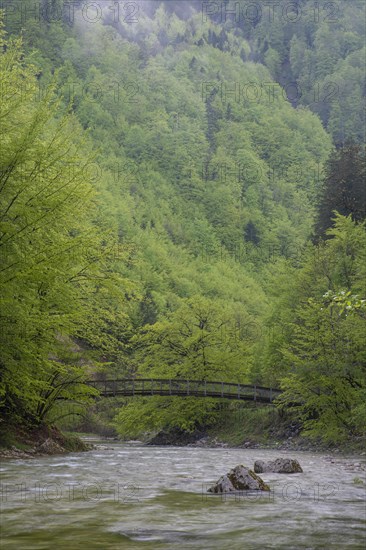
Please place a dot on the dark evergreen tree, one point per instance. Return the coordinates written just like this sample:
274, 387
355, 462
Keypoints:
251, 233
212, 119
344, 187
193, 63
222, 40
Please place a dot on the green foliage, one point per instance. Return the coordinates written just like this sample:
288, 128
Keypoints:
326, 356
203, 339
156, 413
242, 423
317, 50
156, 223
51, 250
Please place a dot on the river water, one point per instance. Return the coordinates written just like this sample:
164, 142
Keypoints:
137, 497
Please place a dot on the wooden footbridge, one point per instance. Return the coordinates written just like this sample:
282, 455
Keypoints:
198, 388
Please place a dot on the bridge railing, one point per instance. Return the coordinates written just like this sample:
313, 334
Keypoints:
198, 388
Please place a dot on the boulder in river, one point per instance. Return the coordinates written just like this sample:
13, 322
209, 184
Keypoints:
239, 478
278, 466
50, 447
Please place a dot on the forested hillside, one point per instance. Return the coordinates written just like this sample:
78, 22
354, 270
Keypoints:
182, 195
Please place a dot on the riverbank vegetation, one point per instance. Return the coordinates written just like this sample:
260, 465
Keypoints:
168, 209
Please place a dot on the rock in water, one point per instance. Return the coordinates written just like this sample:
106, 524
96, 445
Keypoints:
278, 466
223, 485
50, 447
239, 478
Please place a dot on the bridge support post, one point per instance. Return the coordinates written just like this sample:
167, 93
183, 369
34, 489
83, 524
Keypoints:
187, 387
255, 394
270, 394
238, 391
222, 389
205, 388
170, 387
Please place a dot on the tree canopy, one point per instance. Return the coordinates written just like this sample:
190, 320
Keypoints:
182, 196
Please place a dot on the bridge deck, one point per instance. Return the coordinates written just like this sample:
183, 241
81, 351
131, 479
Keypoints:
197, 388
